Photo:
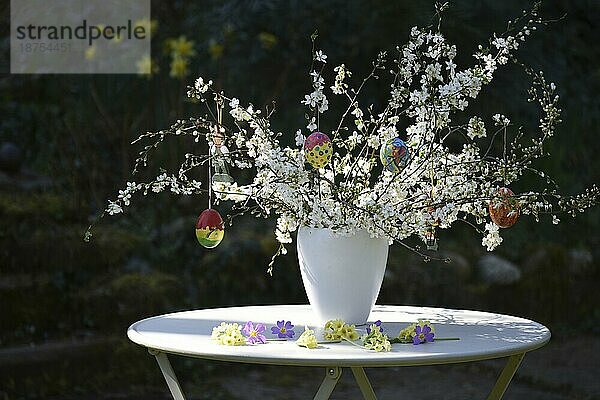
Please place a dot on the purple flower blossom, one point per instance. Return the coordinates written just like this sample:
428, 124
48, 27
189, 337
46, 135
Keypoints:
283, 330
378, 323
423, 334
254, 333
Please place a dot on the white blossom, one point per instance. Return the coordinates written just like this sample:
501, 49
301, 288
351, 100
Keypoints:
492, 239
299, 138
114, 208
476, 128
320, 56
373, 141
340, 86
312, 125
501, 120
202, 86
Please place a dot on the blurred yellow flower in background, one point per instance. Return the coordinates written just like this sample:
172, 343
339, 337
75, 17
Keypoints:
181, 47
179, 67
181, 51
215, 49
267, 40
90, 52
150, 26
146, 66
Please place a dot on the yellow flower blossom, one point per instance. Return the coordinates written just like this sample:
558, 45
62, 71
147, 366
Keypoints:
349, 332
228, 334
406, 335
376, 340
336, 329
334, 324
308, 339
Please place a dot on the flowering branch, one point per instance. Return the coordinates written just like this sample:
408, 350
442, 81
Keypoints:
438, 183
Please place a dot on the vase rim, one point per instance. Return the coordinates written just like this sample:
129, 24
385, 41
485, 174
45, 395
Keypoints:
361, 231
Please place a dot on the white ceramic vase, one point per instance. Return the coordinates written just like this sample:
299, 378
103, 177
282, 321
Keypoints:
342, 275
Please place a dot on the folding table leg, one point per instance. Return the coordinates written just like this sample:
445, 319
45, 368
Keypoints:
506, 376
168, 373
363, 383
332, 376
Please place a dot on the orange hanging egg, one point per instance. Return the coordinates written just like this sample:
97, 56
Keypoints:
209, 228
504, 208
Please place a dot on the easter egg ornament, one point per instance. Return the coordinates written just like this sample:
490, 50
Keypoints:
209, 225
394, 155
209, 228
431, 239
504, 208
318, 149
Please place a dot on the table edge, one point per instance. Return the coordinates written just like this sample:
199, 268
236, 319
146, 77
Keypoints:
134, 336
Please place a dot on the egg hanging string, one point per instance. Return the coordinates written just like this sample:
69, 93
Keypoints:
209, 179
219, 106
209, 174
505, 163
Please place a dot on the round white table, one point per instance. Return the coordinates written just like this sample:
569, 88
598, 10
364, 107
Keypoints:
482, 336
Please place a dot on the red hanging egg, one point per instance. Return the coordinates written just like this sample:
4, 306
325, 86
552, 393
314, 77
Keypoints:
504, 208
209, 228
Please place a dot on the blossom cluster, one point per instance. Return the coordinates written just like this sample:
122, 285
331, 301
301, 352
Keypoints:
228, 334
233, 334
375, 339
308, 339
337, 329
454, 169
417, 333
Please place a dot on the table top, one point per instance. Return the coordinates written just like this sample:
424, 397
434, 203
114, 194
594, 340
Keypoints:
482, 336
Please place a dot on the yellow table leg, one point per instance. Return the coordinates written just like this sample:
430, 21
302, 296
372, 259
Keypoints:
168, 373
506, 376
363, 383
332, 376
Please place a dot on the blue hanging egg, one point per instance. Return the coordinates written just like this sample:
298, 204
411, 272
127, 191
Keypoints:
394, 155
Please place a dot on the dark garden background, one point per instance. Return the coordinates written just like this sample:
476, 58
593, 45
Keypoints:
65, 304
